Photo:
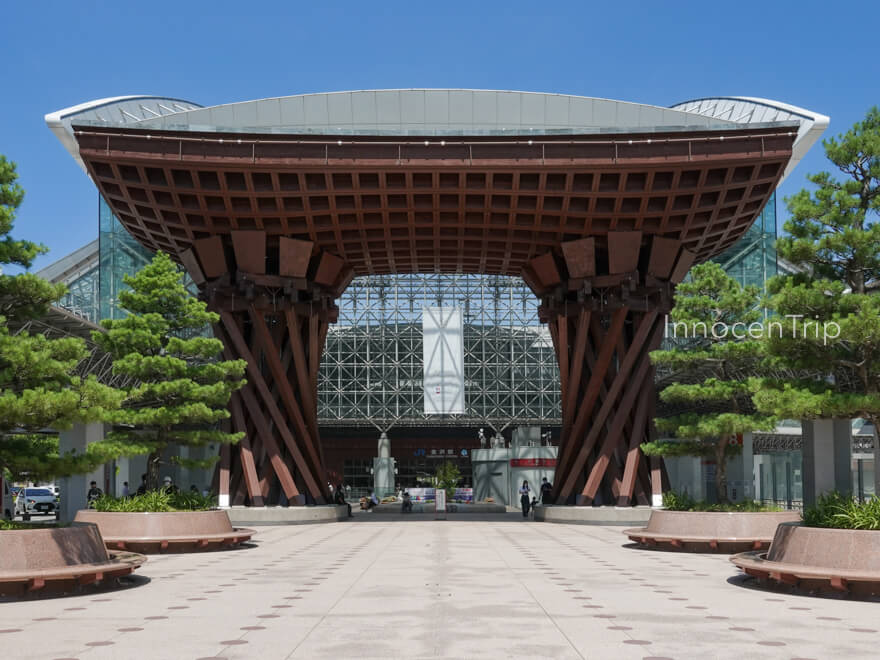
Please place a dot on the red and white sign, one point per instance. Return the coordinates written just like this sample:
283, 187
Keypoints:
532, 462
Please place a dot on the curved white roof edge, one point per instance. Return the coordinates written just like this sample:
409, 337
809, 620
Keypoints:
748, 109
417, 111
387, 90
126, 109
509, 110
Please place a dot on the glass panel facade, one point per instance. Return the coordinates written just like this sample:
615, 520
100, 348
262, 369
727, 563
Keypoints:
371, 371
82, 297
863, 477
120, 255
752, 260
779, 479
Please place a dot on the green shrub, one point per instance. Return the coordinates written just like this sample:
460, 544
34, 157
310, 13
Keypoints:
13, 524
673, 501
840, 511
156, 501
447, 478
191, 501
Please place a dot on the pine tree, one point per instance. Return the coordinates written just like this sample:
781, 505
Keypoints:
829, 311
40, 392
713, 315
182, 387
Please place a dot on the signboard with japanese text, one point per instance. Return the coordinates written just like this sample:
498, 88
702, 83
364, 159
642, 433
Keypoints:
532, 462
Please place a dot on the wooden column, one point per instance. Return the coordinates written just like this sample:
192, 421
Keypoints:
605, 300
274, 297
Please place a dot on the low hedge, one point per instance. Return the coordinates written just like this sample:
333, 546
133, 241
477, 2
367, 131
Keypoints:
156, 501
839, 511
14, 524
673, 501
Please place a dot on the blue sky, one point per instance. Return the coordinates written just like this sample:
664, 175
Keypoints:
821, 56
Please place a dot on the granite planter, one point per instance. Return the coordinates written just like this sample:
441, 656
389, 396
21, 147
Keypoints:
709, 531
59, 559
172, 531
818, 559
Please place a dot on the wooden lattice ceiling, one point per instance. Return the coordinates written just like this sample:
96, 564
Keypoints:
482, 205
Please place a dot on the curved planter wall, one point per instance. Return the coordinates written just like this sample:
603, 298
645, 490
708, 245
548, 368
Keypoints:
709, 531
821, 559
58, 559
173, 531
846, 549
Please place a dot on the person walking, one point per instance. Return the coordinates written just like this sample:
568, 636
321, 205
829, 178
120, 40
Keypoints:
546, 491
125, 490
525, 499
143, 487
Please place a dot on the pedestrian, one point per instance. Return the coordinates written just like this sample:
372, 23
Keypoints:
524, 493
142, 489
94, 493
372, 501
546, 491
125, 491
168, 486
340, 499
407, 503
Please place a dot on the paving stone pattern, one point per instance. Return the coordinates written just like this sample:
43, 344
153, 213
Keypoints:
384, 587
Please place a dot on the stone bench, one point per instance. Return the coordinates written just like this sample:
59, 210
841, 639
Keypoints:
171, 531
710, 531
818, 559
59, 559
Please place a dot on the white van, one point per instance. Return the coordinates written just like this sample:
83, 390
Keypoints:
8, 501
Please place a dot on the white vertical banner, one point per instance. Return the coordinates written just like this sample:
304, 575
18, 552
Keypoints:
443, 344
439, 501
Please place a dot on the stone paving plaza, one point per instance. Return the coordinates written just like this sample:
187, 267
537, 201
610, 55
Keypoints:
385, 587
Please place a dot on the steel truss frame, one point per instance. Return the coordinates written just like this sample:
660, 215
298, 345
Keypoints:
371, 371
